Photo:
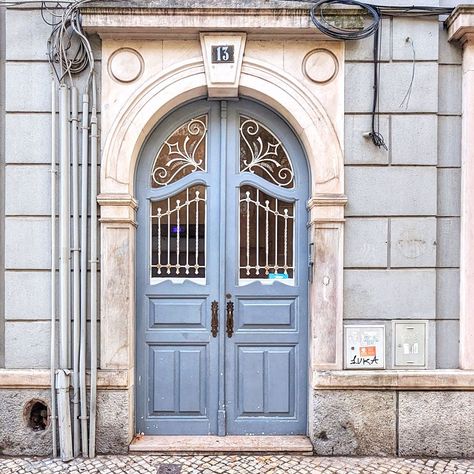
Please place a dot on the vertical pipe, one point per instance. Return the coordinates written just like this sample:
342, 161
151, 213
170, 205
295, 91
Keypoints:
53, 269
76, 275
64, 414
93, 293
64, 232
83, 315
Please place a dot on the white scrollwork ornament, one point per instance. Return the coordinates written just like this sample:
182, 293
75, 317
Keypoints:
263, 154
183, 152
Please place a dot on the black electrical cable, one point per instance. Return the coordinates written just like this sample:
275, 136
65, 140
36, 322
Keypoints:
375, 13
375, 135
342, 33
375, 19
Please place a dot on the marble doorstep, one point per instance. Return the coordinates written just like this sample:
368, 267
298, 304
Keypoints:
222, 444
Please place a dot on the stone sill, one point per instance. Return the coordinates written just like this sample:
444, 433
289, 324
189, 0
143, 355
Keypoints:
394, 380
40, 378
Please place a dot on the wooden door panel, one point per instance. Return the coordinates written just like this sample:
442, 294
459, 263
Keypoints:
177, 312
265, 313
179, 385
265, 381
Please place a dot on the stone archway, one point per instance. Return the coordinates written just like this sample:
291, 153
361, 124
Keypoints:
144, 109
259, 81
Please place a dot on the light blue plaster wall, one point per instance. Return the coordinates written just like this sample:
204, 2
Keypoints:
402, 232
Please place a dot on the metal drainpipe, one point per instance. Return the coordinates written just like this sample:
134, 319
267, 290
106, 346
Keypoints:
83, 315
53, 269
76, 274
93, 293
62, 380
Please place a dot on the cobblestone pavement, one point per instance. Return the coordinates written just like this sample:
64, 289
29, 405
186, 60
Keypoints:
229, 464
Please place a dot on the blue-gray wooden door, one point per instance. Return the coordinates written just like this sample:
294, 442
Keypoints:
244, 207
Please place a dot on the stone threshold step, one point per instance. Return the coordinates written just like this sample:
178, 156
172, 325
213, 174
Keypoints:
222, 444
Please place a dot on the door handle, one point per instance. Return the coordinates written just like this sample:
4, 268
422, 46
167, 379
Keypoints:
230, 319
214, 318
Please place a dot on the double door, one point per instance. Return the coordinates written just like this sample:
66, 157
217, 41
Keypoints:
222, 274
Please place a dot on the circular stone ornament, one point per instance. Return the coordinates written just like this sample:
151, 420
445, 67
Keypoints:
125, 65
320, 66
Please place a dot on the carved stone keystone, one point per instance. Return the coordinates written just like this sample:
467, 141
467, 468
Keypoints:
223, 54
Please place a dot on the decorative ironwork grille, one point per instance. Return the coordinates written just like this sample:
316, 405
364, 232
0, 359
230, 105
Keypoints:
178, 228
266, 235
183, 152
263, 154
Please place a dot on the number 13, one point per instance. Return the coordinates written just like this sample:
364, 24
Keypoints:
223, 53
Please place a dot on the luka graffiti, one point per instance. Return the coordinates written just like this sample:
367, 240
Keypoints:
364, 347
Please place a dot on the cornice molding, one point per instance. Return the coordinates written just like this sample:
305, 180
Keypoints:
460, 24
327, 200
117, 200
147, 22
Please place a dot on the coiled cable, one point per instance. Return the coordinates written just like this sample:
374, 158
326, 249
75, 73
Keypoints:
69, 50
318, 17
320, 20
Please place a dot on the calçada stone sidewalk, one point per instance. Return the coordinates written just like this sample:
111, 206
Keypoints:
229, 464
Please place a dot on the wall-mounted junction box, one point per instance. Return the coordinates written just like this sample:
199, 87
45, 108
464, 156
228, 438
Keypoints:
410, 343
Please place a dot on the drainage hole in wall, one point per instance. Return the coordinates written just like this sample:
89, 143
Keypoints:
36, 414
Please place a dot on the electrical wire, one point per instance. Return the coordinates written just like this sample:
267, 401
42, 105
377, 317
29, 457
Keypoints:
375, 135
373, 15
69, 50
406, 100
320, 20
318, 17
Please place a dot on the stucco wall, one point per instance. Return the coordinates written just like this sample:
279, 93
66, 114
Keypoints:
402, 229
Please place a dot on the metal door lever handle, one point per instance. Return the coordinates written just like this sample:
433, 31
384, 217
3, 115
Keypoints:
230, 319
214, 318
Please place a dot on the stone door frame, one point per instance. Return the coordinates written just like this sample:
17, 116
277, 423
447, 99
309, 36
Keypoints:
320, 133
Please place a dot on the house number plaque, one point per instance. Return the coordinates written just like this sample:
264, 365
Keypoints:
223, 53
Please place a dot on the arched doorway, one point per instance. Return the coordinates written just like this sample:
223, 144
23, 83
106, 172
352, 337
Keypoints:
222, 274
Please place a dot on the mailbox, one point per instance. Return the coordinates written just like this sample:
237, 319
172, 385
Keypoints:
410, 343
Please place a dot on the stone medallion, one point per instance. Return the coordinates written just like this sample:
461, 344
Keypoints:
125, 65
320, 66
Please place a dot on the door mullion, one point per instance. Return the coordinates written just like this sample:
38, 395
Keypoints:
221, 414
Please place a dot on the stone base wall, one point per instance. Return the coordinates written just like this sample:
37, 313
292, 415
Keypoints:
19, 439
346, 423
391, 423
16, 437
